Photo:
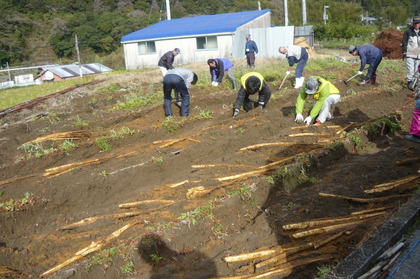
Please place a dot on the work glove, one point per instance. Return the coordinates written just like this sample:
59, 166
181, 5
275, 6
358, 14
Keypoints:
287, 73
263, 108
308, 120
235, 112
359, 73
299, 118
215, 83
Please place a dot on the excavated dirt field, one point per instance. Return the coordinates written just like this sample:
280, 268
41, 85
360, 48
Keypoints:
174, 234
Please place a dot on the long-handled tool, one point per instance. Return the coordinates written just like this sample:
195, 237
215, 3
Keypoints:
284, 79
346, 81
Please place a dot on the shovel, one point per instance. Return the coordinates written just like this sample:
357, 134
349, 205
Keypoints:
283, 81
346, 81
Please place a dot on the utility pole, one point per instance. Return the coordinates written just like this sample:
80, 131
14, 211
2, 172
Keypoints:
303, 12
168, 10
78, 57
325, 14
286, 14
259, 6
8, 70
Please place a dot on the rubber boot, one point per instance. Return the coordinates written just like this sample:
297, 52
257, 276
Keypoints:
373, 80
299, 82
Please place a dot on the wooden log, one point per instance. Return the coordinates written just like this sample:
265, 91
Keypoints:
364, 200
139, 203
321, 222
327, 229
391, 185
93, 247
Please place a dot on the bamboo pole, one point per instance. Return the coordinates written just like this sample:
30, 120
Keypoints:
138, 203
250, 256
310, 134
363, 200
321, 222
16, 179
93, 247
61, 136
408, 161
222, 165
366, 211
327, 229
178, 184
345, 128
256, 146
391, 185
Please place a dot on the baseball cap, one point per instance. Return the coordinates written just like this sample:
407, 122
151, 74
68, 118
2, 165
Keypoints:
352, 48
177, 50
311, 85
247, 36
416, 19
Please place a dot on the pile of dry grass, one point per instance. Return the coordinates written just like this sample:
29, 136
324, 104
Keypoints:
390, 43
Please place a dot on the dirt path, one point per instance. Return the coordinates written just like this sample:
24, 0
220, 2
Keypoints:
177, 234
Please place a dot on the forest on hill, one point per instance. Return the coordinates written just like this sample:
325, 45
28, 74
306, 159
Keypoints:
44, 31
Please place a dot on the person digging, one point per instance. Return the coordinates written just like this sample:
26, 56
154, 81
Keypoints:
369, 55
415, 121
326, 96
295, 55
252, 83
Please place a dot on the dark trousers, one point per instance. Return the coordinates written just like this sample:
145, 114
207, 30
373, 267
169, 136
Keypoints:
177, 83
301, 63
250, 59
372, 67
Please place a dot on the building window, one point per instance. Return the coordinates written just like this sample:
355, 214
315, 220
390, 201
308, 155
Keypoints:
209, 42
146, 47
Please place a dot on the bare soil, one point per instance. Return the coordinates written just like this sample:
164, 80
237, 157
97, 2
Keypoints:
180, 237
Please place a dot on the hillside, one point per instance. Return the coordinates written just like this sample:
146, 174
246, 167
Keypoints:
115, 193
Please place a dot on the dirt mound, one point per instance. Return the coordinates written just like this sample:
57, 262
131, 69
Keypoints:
390, 43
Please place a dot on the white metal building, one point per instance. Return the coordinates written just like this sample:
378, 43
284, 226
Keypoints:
203, 37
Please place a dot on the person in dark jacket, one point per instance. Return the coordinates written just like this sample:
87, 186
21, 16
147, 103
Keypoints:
167, 60
252, 83
369, 55
218, 67
180, 80
411, 50
166, 63
250, 50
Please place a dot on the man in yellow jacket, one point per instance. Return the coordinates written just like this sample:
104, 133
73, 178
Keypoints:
324, 93
252, 83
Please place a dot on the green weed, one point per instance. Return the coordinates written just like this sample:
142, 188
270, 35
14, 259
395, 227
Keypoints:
67, 145
170, 124
103, 144
79, 122
244, 192
36, 150
157, 159
134, 101
270, 179
323, 271
127, 268
20, 204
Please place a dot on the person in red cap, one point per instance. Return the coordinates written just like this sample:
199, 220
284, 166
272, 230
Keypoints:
411, 50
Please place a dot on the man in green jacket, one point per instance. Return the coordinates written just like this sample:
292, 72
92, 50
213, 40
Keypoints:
324, 93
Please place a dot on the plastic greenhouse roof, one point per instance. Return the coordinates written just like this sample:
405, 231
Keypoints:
208, 24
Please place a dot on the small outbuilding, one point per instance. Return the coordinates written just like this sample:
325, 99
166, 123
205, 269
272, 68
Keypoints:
63, 72
203, 37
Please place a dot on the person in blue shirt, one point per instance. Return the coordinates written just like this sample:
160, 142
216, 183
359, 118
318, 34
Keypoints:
250, 50
371, 56
218, 67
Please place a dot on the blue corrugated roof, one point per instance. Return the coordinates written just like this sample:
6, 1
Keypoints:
209, 24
